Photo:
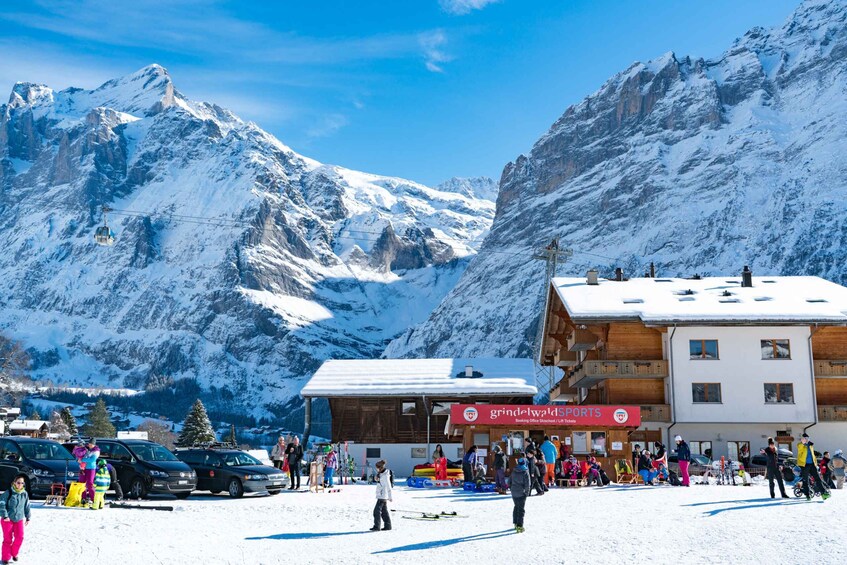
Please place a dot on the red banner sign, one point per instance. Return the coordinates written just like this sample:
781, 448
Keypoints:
527, 414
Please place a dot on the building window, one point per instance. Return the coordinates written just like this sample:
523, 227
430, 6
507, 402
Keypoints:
373, 452
701, 448
703, 348
580, 442
779, 393
441, 408
598, 443
589, 442
408, 408
706, 392
735, 449
776, 349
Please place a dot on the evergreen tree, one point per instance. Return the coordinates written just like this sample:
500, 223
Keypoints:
69, 421
58, 426
231, 438
197, 428
35, 415
99, 422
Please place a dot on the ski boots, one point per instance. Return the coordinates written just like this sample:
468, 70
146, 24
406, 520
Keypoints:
519, 529
825, 495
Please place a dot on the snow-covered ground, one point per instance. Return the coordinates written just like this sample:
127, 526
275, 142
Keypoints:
615, 524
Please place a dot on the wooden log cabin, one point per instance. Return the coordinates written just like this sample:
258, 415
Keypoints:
397, 409
723, 361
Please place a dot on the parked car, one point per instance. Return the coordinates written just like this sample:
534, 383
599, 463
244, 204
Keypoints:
698, 465
760, 459
145, 467
43, 461
232, 470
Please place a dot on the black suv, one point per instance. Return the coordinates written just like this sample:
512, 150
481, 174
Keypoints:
43, 461
145, 467
232, 470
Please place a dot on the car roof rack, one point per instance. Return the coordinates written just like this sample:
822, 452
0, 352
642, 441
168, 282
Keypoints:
209, 445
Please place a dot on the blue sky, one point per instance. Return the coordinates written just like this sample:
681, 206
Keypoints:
424, 90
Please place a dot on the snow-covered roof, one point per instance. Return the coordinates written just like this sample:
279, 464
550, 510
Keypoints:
406, 377
792, 300
27, 425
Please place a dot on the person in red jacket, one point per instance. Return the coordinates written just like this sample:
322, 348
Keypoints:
440, 463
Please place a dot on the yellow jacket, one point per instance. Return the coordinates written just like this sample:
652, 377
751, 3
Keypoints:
802, 450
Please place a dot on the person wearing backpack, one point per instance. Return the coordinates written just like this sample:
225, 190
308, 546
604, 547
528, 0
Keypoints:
14, 515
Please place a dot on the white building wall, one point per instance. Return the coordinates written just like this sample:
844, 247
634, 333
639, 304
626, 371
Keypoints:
742, 373
398, 456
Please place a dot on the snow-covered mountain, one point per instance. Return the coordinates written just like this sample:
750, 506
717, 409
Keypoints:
237, 261
697, 165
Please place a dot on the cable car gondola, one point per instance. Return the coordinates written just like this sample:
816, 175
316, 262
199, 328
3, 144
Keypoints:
104, 234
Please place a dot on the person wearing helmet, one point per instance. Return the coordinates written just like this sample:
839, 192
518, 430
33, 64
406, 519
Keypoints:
683, 456
102, 481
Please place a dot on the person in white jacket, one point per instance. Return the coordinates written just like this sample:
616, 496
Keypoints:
278, 453
383, 497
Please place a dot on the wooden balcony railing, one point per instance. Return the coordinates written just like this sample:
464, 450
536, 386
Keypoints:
592, 372
831, 369
832, 413
656, 413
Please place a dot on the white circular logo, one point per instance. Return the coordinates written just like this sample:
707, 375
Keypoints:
471, 414
621, 415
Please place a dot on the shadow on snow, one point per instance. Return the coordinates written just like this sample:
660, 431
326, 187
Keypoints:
445, 542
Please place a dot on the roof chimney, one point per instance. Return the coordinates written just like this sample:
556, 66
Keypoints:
591, 277
618, 274
746, 277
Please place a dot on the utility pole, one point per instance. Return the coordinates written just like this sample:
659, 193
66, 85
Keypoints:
545, 377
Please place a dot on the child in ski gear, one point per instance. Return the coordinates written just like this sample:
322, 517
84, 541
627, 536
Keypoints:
548, 448
773, 468
14, 515
683, 455
294, 454
330, 465
102, 480
645, 468
500, 470
278, 452
383, 497
808, 464
839, 462
520, 487
87, 456
469, 463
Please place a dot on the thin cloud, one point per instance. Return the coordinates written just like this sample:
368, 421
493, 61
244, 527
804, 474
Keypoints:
432, 44
462, 7
327, 126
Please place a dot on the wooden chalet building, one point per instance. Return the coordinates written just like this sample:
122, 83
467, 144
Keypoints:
723, 361
397, 409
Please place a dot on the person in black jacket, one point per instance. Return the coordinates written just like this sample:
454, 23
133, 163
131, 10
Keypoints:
774, 469
645, 468
534, 473
683, 455
294, 453
500, 470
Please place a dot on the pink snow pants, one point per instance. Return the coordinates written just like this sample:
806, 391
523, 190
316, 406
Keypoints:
683, 470
87, 477
13, 537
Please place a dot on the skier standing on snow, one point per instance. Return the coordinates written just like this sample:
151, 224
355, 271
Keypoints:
500, 470
839, 462
774, 470
278, 452
14, 509
683, 456
521, 487
809, 465
383, 497
294, 453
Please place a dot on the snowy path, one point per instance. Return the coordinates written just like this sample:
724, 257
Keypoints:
610, 525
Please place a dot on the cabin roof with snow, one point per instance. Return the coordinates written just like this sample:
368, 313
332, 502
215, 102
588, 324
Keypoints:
708, 300
419, 377
27, 425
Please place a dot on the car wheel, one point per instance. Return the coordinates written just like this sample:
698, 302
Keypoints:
235, 489
137, 488
273, 492
182, 495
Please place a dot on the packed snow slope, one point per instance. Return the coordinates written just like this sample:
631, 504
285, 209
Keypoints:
701, 166
614, 524
237, 261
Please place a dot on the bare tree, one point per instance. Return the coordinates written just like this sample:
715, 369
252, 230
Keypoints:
160, 432
14, 360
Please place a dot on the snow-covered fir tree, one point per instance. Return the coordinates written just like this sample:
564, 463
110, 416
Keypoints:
69, 420
99, 421
197, 428
36, 415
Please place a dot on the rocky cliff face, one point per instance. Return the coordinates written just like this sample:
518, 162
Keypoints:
237, 262
697, 165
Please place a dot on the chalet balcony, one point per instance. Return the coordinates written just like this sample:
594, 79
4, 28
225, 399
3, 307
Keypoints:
656, 413
832, 413
562, 392
592, 372
831, 369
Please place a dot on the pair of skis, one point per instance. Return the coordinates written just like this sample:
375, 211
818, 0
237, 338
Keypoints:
140, 506
429, 516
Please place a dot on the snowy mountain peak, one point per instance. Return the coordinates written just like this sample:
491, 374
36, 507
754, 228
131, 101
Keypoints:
29, 94
476, 187
147, 91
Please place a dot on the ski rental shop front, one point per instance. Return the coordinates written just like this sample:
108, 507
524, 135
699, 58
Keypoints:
397, 409
579, 430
